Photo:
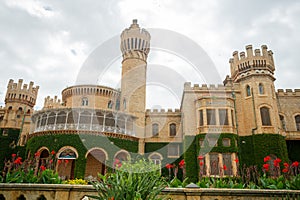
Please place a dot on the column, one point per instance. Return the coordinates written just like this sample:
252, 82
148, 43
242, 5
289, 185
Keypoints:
91, 123
116, 122
125, 125
67, 115
78, 120
46, 123
104, 117
55, 120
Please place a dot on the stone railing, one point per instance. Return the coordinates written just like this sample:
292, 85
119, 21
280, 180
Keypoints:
79, 192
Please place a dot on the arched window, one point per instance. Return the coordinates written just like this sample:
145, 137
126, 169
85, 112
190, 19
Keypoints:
118, 104
156, 158
172, 129
155, 129
297, 120
261, 88
281, 117
110, 104
265, 116
248, 90
84, 101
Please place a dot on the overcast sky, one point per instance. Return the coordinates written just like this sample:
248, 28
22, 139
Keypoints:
48, 41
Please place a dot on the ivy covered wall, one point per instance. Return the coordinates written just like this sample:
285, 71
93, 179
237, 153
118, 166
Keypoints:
8, 145
253, 149
82, 143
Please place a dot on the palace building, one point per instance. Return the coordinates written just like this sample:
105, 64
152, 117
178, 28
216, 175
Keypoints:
91, 126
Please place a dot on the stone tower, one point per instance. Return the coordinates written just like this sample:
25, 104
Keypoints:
19, 102
135, 46
253, 74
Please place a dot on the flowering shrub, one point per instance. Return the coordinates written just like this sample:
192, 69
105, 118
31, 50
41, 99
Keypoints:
76, 182
18, 171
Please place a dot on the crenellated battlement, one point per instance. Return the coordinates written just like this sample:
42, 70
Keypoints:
288, 92
251, 59
134, 40
19, 92
168, 111
52, 102
204, 87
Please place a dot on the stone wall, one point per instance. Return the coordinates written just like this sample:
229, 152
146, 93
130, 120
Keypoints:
78, 192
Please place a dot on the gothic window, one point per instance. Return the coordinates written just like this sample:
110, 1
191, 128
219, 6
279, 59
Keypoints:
173, 150
201, 118
84, 101
223, 117
261, 88
281, 117
265, 116
248, 90
110, 104
155, 129
297, 120
172, 129
211, 116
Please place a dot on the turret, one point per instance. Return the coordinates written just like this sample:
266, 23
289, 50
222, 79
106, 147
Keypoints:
257, 61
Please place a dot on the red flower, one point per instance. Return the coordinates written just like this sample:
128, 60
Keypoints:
201, 163
285, 170
37, 154
224, 167
236, 160
59, 161
53, 152
42, 167
169, 166
18, 161
51, 161
66, 161
286, 165
13, 155
181, 164
276, 162
295, 164
266, 166
200, 157
267, 158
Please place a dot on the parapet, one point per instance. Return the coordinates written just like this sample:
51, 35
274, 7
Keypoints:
288, 92
168, 111
21, 92
204, 87
258, 58
52, 103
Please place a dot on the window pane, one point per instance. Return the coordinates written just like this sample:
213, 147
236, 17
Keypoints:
154, 129
201, 118
265, 116
297, 119
173, 150
211, 116
223, 117
261, 88
214, 164
227, 162
172, 129
248, 91
226, 142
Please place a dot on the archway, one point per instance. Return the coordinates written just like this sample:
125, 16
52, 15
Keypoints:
95, 162
66, 162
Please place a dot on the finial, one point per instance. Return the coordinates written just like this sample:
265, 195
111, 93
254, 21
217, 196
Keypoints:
134, 24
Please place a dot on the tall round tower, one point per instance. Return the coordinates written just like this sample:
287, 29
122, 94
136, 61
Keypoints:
135, 46
253, 71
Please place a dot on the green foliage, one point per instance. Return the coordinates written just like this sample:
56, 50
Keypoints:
254, 148
295, 182
219, 148
190, 158
132, 181
8, 144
